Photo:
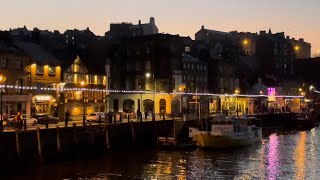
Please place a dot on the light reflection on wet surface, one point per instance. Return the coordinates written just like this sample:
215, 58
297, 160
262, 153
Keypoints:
294, 156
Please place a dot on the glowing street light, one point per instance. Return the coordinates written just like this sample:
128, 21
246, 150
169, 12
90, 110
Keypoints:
311, 87
245, 42
261, 92
82, 83
2, 79
237, 91
148, 75
296, 48
300, 89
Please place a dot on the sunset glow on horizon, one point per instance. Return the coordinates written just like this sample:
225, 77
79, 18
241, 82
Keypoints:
296, 18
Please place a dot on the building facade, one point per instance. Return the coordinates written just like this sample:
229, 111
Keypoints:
89, 96
12, 66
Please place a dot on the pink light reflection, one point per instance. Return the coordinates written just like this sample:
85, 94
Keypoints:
273, 157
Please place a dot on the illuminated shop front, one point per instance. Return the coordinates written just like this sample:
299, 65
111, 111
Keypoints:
43, 104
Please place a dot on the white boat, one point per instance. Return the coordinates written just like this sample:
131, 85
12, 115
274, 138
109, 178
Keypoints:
227, 132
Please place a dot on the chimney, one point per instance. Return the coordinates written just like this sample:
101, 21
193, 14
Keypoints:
152, 20
262, 32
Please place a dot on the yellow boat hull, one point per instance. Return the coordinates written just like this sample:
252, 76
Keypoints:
221, 142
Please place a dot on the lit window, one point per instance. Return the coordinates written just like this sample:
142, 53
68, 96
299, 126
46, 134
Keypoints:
52, 71
187, 49
40, 70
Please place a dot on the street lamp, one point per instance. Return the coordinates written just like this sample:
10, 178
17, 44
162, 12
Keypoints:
237, 91
245, 42
2, 79
148, 75
311, 88
82, 83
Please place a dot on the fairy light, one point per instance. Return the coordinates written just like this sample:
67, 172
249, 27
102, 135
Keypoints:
146, 92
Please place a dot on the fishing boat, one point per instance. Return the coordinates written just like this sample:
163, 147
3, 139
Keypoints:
227, 132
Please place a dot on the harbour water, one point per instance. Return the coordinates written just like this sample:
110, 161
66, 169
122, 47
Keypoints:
292, 156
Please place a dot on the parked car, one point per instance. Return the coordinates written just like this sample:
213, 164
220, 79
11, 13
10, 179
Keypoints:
30, 121
94, 117
44, 118
131, 114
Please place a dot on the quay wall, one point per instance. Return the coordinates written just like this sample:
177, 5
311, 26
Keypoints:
60, 143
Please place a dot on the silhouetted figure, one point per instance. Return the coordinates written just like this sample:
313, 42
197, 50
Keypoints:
66, 119
146, 115
110, 117
140, 116
153, 116
128, 116
18, 121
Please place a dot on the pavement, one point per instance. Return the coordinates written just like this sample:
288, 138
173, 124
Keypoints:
79, 122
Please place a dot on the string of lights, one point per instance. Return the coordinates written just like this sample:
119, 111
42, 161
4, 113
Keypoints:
143, 92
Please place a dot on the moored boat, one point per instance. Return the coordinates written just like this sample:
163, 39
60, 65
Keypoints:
227, 132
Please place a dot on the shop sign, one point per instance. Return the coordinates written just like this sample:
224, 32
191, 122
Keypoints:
272, 94
43, 98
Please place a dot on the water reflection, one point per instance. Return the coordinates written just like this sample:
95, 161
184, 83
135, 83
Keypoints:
273, 157
294, 156
300, 156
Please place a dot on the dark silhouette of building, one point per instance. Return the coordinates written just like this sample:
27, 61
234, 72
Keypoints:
276, 54
126, 30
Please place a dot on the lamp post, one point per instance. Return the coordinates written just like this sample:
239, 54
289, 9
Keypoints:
237, 91
148, 75
82, 83
2, 79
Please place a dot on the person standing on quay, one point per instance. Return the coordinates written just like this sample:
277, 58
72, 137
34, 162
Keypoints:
18, 120
66, 119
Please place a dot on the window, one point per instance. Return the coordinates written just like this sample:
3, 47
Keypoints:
40, 70
173, 83
184, 66
19, 84
148, 66
138, 66
148, 50
188, 66
18, 65
187, 49
52, 71
91, 79
3, 63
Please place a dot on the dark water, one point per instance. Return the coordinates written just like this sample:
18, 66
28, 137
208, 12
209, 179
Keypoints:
294, 156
